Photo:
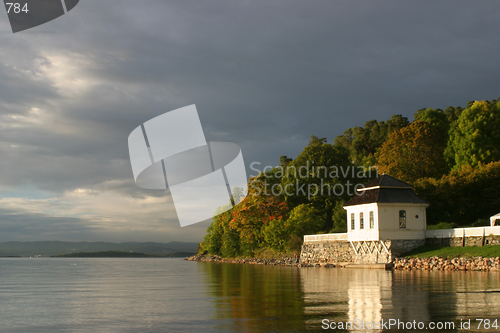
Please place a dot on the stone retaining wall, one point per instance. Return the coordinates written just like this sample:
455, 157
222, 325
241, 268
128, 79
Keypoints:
340, 251
327, 252
399, 247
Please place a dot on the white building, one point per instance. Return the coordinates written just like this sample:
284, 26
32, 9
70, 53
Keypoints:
386, 209
495, 220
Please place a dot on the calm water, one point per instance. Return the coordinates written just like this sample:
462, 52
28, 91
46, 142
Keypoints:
172, 295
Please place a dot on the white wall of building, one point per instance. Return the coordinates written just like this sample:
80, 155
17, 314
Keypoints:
386, 221
366, 233
389, 221
495, 220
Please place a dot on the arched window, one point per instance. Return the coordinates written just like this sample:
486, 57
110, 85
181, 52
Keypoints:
361, 221
402, 218
372, 220
352, 222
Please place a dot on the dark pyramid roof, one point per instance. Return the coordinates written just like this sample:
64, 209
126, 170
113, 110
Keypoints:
387, 181
389, 190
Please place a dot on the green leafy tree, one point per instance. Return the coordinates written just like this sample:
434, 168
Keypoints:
304, 220
414, 152
276, 235
230, 245
463, 196
363, 143
284, 161
339, 217
435, 117
474, 137
453, 113
311, 178
212, 242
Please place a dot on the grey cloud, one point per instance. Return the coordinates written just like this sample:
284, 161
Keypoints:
18, 225
264, 74
15, 225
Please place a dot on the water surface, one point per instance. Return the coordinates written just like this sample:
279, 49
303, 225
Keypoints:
172, 295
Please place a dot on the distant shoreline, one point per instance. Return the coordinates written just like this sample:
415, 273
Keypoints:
121, 254
46, 249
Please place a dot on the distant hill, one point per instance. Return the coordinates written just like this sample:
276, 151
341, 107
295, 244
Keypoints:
122, 254
51, 248
106, 254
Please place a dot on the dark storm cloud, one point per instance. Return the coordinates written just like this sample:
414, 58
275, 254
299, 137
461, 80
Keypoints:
264, 74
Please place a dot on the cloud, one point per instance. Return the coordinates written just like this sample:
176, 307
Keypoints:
97, 214
264, 74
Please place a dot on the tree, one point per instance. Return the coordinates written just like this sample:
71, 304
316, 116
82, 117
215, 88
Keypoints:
230, 245
435, 117
251, 215
304, 220
396, 122
285, 160
212, 242
414, 152
363, 143
310, 178
276, 235
475, 136
464, 196
453, 113
339, 217
238, 231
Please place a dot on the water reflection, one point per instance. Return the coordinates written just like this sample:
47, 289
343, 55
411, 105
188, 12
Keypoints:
367, 291
255, 298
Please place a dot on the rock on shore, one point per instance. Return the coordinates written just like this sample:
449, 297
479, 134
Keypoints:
430, 264
457, 264
281, 261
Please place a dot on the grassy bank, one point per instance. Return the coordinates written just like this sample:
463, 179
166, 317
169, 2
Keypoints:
447, 252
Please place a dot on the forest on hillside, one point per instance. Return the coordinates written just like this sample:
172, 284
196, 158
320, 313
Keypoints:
451, 157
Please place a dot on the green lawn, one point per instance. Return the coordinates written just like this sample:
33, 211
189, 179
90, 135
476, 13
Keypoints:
427, 251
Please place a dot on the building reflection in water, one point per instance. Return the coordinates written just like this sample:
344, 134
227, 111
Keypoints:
347, 295
367, 290
350, 295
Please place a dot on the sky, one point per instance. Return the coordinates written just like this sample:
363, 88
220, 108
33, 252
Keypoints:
265, 75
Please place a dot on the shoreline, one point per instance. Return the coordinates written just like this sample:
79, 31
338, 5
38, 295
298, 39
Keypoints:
279, 261
429, 264
456, 264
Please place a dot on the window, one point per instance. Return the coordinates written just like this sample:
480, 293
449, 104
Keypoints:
402, 218
352, 221
372, 220
361, 221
